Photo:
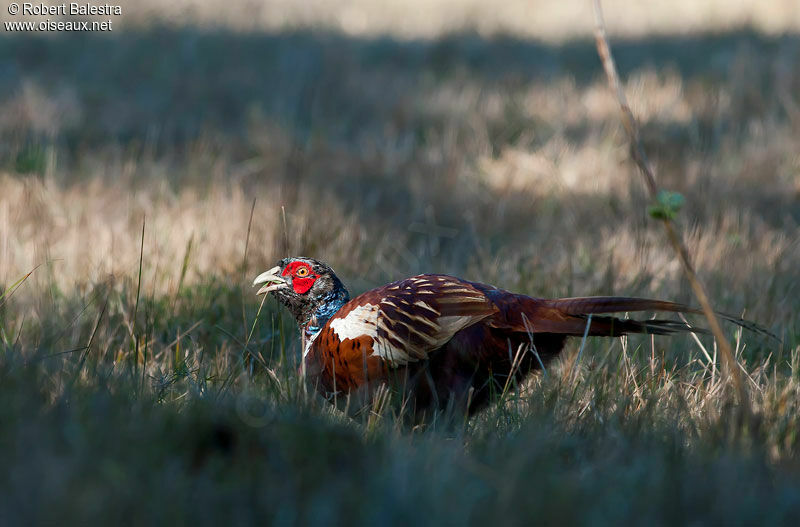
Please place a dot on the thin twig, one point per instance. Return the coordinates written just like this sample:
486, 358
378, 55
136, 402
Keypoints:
640, 158
136, 307
244, 261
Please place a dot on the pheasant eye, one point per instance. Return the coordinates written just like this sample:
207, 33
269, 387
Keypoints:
303, 271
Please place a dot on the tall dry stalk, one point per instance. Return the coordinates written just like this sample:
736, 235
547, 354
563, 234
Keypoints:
640, 158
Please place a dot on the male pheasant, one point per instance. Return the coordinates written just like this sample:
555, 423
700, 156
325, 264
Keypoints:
442, 341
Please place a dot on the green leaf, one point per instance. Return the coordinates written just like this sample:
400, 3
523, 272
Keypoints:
667, 205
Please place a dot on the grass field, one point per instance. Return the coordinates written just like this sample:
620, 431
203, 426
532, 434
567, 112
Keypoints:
147, 175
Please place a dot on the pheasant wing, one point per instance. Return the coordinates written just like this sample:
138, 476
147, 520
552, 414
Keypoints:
409, 319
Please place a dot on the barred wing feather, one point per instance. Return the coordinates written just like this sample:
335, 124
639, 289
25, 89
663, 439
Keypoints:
408, 320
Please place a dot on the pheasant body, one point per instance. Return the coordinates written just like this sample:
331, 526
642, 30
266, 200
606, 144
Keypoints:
441, 341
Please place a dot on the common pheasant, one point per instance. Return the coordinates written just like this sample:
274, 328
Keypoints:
441, 341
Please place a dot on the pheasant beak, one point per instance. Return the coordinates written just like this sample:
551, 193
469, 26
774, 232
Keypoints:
271, 279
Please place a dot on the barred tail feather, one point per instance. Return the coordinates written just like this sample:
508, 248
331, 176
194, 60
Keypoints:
616, 304
582, 306
605, 326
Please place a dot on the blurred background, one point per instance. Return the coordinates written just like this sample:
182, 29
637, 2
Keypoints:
402, 137
147, 174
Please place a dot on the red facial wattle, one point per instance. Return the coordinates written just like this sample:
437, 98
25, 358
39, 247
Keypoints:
300, 284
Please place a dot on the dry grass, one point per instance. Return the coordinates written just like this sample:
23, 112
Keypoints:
399, 140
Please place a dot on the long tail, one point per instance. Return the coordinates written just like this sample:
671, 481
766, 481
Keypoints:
577, 310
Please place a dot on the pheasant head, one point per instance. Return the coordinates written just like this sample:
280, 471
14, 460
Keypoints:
308, 288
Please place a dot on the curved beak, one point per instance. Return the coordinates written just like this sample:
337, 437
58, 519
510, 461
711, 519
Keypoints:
271, 279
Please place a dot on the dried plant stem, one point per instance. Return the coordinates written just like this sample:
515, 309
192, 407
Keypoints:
640, 158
